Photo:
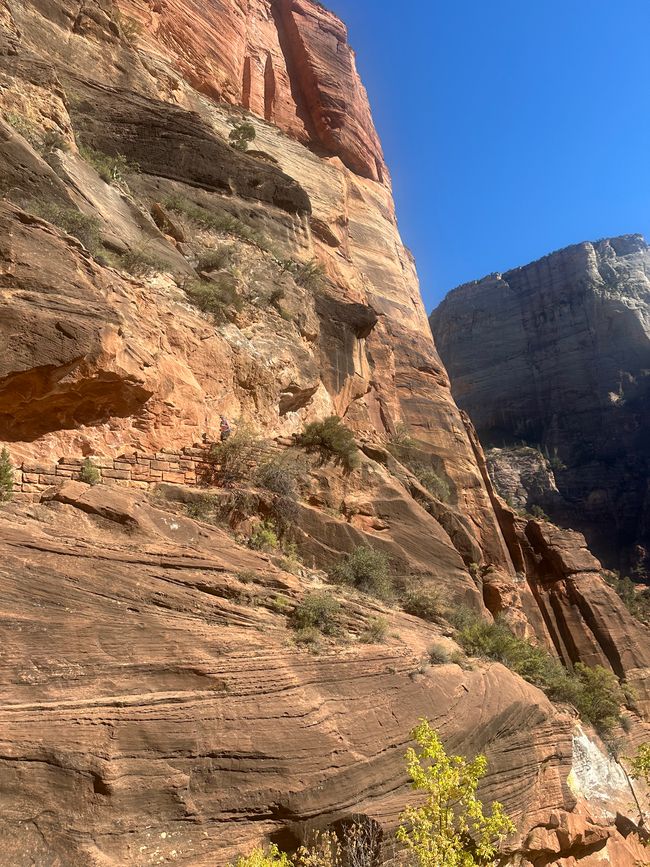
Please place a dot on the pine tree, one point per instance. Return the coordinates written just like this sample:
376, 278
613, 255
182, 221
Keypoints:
6, 477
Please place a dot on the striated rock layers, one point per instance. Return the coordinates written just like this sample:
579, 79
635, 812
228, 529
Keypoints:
556, 355
158, 705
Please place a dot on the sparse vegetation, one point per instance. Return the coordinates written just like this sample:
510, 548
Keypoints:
635, 598
424, 602
332, 439
259, 857
231, 459
203, 508
222, 222
81, 227
6, 476
309, 275
112, 169
431, 480
42, 140
264, 537
318, 610
213, 260
594, 692
404, 448
129, 27
241, 135
538, 513
450, 829
217, 296
440, 654
140, 262
89, 473
376, 631
366, 569
281, 474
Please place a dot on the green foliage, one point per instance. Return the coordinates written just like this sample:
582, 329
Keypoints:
331, 437
431, 480
281, 474
594, 692
450, 829
635, 599
440, 654
213, 260
231, 459
318, 610
42, 140
264, 537
641, 764
539, 513
222, 222
89, 473
366, 569
400, 443
309, 275
81, 227
112, 169
271, 857
140, 263
424, 602
217, 296
404, 448
6, 477
241, 135
203, 508
376, 631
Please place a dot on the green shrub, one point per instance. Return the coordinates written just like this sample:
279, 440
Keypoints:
81, 227
281, 474
213, 260
231, 459
309, 275
332, 437
89, 473
112, 169
366, 569
140, 263
635, 599
401, 444
440, 654
203, 508
376, 631
241, 135
431, 480
222, 222
539, 513
217, 296
6, 477
594, 692
318, 610
259, 857
27, 129
424, 602
309, 636
264, 537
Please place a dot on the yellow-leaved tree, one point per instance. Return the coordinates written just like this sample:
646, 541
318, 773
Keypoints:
450, 829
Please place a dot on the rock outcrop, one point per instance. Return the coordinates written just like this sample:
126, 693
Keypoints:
158, 704
556, 355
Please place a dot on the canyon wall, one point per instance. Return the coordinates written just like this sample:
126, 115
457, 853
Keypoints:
156, 704
556, 355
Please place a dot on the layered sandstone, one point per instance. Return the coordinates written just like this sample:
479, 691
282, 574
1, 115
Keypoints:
556, 355
155, 703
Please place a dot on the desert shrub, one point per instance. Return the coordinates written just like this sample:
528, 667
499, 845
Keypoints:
213, 260
635, 599
376, 631
112, 169
222, 222
308, 636
89, 473
366, 569
318, 610
271, 857
281, 474
264, 537
203, 508
424, 602
231, 459
217, 296
594, 692
431, 480
539, 513
140, 263
309, 275
400, 443
6, 477
27, 129
241, 135
332, 438
81, 227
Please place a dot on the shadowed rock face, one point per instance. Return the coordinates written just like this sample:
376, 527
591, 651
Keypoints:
557, 355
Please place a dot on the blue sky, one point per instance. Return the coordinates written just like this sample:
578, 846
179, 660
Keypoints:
511, 127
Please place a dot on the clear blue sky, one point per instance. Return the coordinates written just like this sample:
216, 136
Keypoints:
511, 127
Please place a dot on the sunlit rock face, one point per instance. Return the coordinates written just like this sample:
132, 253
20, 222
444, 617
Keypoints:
556, 355
156, 701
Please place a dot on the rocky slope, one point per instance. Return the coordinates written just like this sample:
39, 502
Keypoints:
156, 705
556, 355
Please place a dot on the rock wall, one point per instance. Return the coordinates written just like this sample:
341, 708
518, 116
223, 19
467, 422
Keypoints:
556, 355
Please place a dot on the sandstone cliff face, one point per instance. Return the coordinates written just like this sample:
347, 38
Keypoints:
556, 355
155, 703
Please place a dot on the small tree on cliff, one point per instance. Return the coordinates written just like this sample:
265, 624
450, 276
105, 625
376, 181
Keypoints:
6, 477
450, 828
241, 135
641, 770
